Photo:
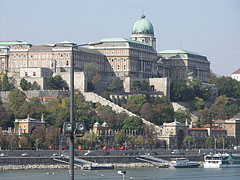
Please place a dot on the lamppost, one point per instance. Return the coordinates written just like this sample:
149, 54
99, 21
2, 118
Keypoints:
68, 127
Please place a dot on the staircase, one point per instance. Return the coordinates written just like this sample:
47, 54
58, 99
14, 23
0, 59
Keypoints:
93, 97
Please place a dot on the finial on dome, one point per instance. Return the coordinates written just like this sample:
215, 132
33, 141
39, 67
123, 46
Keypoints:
143, 16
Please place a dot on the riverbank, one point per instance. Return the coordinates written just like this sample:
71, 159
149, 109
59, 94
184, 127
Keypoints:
65, 166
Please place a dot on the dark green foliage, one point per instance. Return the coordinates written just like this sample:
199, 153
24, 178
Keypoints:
121, 138
56, 83
227, 86
28, 86
16, 99
5, 85
187, 90
182, 116
135, 102
140, 86
90, 86
115, 85
132, 123
106, 95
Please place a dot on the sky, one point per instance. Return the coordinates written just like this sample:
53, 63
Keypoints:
208, 27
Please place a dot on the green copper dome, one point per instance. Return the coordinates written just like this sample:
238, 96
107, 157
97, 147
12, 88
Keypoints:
142, 26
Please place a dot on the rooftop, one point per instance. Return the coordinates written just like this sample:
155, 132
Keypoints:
237, 71
178, 51
125, 40
13, 42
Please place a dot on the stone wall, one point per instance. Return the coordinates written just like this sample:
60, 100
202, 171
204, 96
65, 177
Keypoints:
36, 93
80, 81
161, 85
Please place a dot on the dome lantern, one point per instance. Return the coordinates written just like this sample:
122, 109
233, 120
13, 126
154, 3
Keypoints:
143, 26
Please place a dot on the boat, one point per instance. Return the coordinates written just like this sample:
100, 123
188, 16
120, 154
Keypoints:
221, 160
182, 163
97, 167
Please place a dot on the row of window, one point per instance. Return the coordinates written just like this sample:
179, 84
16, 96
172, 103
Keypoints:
116, 52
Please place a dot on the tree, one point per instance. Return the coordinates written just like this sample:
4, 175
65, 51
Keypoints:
189, 141
35, 86
136, 86
135, 102
6, 119
147, 112
56, 83
16, 99
115, 85
197, 104
181, 116
52, 137
132, 123
151, 135
106, 95
6, 85
24, 142
163, 113
145, 85
209, 143
227, 86
140, 141
25, 85
120, 138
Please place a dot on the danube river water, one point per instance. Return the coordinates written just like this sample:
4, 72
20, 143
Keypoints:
138, 173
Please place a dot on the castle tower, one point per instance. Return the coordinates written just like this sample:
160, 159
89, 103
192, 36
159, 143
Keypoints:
143, 31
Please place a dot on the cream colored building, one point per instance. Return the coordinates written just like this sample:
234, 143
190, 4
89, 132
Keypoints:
26, 126
179, 63
129, 59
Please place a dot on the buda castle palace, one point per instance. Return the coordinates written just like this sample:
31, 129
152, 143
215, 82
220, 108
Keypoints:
129, 59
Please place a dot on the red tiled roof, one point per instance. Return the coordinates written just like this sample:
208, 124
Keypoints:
196, 129
207, 126
237, 71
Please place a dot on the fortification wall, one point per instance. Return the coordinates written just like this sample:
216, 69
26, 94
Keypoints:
35, 93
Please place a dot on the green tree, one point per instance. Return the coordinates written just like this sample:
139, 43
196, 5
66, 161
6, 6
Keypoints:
189, 141
210, 142
16, 99
136, 86
181, 116
115, 85
145, 85
121, 138
106, 95
55, 83
25, 85
135, 102
6, 85
132, 123
35, 86
227, 86
198, 104
163, 113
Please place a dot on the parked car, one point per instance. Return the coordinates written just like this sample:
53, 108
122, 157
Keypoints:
175, 151
56, 154
3, 155
25, 154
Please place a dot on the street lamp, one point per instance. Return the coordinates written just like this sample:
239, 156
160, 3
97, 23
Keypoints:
80, 127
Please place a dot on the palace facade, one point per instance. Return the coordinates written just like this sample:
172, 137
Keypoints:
129, 59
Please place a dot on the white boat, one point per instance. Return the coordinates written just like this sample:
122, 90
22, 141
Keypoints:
221, 160
182, 163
